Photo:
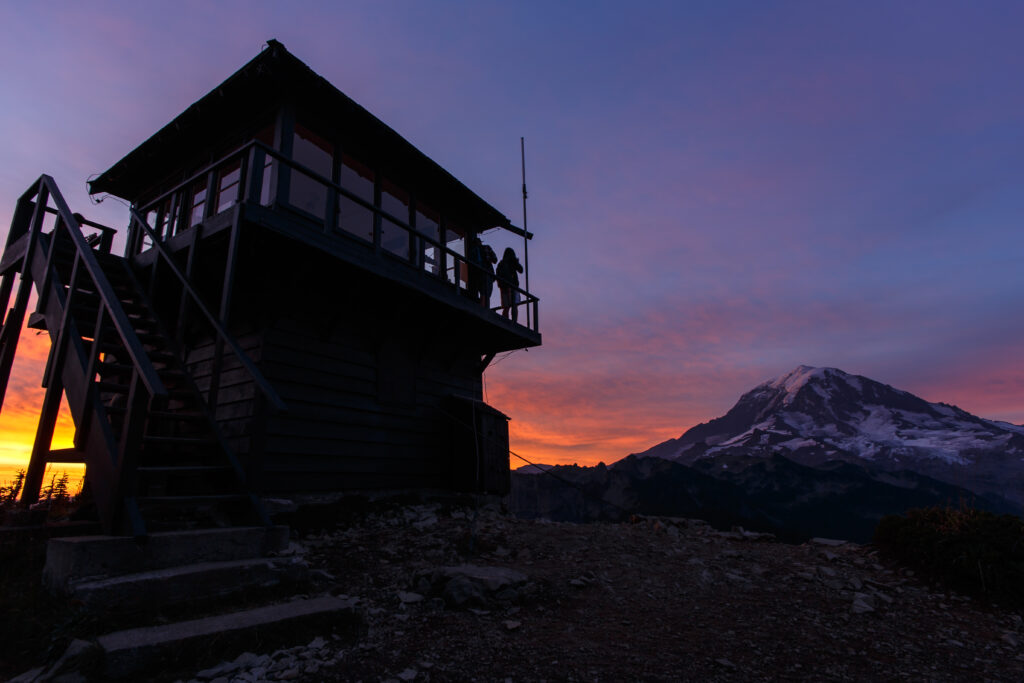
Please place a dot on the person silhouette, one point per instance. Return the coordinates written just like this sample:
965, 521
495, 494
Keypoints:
490, 258
508, 283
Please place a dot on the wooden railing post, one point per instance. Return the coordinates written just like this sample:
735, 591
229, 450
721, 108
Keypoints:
15, 319
44, 434
252, 182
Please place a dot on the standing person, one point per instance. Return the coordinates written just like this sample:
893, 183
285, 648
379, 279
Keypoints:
508, 283
490, 258
475, 276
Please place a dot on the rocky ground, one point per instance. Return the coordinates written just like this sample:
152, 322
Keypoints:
457, 594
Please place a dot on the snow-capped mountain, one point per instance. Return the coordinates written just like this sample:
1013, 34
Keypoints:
815, 416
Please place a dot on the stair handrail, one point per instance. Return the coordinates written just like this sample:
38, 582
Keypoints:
225, 336
136, 352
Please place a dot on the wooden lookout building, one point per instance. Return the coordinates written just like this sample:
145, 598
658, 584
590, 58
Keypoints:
295, 311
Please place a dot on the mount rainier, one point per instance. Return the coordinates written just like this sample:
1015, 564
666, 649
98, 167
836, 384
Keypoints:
814, 452
813, 416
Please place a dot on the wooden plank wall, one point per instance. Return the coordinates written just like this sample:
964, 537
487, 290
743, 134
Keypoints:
236, 402
365, 404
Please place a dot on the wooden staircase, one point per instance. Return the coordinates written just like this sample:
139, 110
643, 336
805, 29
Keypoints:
155, 457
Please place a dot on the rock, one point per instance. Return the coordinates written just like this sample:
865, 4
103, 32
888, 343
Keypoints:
471, 584
512, 624
832, 542
409, 598
862, 603
70, 677
461, 591
80, 656
409, 675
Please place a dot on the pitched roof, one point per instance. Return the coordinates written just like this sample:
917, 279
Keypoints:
255, 91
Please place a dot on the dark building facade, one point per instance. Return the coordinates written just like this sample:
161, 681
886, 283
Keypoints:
301, 287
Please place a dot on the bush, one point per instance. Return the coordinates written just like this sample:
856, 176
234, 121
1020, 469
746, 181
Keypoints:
971, 551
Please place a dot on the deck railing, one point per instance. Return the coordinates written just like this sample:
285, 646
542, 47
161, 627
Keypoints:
256, 174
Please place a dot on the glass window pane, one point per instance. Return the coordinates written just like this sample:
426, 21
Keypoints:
198, 202
427, 221
315, 153
227, 184
353, 217
456, 242
393, 236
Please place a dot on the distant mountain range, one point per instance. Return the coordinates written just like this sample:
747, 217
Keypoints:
816, 451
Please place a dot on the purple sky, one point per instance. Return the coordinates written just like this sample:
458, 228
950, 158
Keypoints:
720, 191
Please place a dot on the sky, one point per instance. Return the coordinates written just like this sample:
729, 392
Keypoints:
720, 191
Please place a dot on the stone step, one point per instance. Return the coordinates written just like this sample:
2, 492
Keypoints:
137, 652
188, 583
70, 560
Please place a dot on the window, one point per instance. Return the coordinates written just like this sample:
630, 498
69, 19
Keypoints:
394, 236
198, 202
228, 177
455, 240
316, 153
266, 136
165, 220
353, 217
427, 222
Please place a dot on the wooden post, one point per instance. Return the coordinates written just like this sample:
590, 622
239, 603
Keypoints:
225, 309
443, 238
51, 252
254, 174
16, 318
44, 432
284, 137
128, 452
66, 319
183, 304
376, 213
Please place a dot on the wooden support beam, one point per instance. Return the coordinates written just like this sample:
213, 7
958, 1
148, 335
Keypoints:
66, 455
14, 321
44, 436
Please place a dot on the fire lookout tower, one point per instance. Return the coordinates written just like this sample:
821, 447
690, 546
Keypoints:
294, 312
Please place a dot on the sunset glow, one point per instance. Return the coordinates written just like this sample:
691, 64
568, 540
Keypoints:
720, 192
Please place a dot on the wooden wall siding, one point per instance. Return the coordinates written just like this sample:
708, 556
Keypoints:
237, 395
365, 398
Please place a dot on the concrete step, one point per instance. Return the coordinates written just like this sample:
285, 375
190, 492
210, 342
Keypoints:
134, 653
70, 560
188, 583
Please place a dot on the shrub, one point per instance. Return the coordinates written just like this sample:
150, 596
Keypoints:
971, 551
9, 493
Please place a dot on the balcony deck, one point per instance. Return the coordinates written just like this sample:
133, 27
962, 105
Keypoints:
442, 280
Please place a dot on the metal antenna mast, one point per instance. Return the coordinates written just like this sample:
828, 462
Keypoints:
526, 233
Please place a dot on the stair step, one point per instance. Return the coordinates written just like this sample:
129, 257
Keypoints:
205, 499
187, 583
179, 415
183, 469
79, 557
180, 440
113, 387
131, 653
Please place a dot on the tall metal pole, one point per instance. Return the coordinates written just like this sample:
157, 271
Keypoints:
526, 239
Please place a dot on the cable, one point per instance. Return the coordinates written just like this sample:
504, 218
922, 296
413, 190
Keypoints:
548, 472
505, 356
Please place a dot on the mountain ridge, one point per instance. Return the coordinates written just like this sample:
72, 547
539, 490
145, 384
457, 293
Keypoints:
813, 452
